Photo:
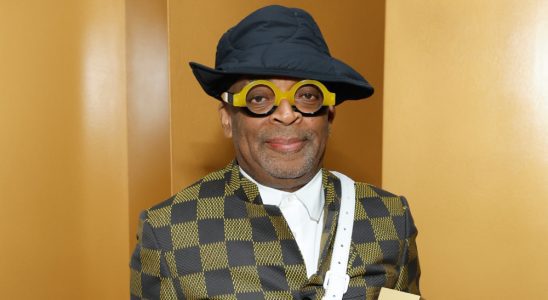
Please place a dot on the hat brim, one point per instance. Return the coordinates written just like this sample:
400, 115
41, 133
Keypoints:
215, 82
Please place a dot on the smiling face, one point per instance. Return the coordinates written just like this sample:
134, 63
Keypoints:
283, 150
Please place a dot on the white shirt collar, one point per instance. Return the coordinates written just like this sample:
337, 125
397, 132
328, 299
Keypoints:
309, 195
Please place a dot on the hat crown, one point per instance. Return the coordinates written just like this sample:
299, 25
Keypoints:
277, 41
270, 26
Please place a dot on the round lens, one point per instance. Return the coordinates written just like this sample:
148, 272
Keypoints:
308, 98
260, 99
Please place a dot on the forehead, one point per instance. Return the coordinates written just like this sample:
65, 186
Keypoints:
284, 83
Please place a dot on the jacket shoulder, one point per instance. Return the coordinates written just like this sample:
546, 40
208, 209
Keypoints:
379, 202
368, 190
183, 203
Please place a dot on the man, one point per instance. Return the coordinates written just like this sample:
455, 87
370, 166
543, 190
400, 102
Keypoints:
270, 224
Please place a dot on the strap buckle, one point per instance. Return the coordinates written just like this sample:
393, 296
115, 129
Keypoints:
336, 284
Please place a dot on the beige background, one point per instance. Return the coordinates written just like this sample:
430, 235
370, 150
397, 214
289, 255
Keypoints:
63, 150
100, 118
466, 140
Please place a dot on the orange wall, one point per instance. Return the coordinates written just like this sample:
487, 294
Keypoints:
85, 133
466, 139
63, 150
149, 161
354, 30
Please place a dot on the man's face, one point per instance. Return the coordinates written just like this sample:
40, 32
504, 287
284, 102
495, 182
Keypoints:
283, 150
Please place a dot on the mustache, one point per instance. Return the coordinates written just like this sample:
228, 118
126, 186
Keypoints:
285, 133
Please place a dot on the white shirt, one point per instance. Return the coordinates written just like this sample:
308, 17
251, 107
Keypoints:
303, 212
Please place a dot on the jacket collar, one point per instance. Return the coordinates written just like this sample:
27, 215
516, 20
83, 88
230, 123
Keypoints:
247, 191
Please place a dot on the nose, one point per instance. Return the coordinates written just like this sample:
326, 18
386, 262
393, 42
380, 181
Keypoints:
285, 114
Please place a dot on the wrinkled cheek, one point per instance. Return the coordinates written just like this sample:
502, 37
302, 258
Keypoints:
246, 148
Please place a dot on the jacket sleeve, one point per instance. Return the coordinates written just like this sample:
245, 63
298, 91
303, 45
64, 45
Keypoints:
149, 276
408, 279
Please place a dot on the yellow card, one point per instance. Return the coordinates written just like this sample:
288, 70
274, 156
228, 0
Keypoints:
389, 294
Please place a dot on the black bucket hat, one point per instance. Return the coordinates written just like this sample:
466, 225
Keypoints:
279, 41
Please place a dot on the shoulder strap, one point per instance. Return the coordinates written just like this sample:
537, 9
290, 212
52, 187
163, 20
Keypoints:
336, 280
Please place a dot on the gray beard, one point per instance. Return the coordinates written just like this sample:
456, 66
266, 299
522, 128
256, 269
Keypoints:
273, 168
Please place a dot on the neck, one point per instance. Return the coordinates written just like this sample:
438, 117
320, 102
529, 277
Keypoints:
283, 184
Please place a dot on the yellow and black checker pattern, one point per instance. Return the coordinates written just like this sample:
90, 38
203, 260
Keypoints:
216, 240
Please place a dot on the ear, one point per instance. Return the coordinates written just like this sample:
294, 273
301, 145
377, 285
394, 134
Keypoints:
226, 119
330, 118
331, 114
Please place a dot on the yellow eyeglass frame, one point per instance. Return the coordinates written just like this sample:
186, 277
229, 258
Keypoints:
239, 99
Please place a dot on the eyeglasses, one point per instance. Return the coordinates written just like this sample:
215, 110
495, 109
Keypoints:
261, 97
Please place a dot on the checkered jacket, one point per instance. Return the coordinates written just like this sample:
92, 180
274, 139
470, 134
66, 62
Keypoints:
216, 240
